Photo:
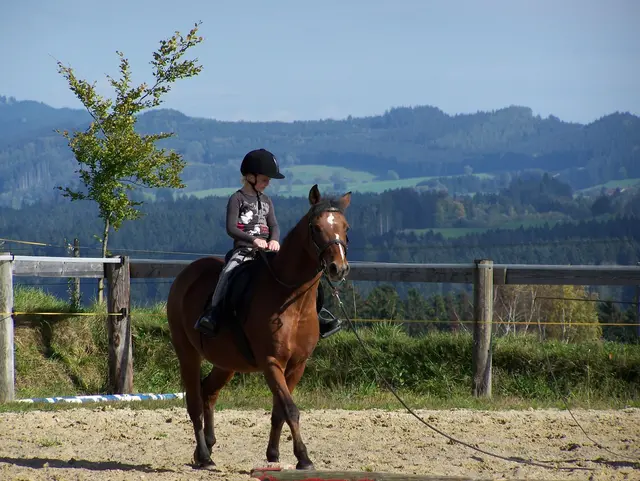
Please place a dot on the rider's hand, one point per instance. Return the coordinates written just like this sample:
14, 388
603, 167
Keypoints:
274, 245
260, 243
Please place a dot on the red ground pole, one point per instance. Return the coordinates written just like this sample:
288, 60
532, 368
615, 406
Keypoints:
277, 474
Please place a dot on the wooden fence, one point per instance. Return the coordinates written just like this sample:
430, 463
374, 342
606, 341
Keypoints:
119, 271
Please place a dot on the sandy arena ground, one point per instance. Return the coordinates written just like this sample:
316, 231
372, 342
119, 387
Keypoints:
122, 444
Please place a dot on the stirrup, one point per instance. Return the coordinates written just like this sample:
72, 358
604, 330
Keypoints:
333, 321
324, 318
336, 328
207, 324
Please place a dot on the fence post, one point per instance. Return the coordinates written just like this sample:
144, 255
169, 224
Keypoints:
119, 327
75, 298
483, 318
7, 371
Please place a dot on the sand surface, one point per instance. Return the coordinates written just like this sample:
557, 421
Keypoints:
100, 442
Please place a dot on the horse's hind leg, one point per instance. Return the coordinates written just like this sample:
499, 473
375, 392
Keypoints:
292, 376
282, 396
211, 386
190, 372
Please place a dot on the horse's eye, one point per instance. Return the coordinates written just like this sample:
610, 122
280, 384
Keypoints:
317, 229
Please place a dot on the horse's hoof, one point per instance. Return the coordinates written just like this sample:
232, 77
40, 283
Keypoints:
304, 465
206, 465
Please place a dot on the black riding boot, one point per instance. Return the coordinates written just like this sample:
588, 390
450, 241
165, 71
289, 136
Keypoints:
208, 322
329, 324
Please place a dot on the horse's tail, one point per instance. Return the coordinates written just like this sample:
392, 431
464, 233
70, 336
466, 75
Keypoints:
183, 285
184, 290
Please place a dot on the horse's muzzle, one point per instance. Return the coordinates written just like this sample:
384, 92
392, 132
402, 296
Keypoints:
338, 271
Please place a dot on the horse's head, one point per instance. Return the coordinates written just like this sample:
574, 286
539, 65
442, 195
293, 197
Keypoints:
328, 232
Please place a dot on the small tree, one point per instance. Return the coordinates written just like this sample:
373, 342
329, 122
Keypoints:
113, 157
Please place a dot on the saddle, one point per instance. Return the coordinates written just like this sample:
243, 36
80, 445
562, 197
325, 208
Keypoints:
240, 287
239, 290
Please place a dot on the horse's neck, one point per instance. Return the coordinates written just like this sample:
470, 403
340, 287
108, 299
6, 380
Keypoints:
293, 265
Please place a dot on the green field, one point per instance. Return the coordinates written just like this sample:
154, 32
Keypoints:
312, 173
612, 184
455, 232
304, 176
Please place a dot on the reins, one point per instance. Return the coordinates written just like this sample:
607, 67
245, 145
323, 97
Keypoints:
263, 255
320, 251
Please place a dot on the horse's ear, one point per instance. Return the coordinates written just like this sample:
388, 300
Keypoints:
314, 195
345, 200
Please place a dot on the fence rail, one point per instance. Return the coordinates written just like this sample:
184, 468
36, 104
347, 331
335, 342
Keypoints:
524, 274
119, 271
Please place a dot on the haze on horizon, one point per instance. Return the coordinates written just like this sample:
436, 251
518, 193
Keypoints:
287, 60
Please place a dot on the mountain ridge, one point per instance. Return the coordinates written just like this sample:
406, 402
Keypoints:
403, 142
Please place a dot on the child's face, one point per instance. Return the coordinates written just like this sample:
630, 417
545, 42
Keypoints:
262, 181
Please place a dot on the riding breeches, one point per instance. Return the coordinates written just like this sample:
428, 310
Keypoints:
234, 261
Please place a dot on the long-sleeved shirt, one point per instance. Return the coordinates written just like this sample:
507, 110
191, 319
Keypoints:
245, 222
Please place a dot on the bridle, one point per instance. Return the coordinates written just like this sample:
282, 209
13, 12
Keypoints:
322, 264
320, 250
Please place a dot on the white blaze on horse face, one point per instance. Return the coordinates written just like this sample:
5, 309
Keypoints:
341, 248
331, 220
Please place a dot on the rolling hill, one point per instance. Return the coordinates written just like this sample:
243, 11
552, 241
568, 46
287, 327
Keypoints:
406, 146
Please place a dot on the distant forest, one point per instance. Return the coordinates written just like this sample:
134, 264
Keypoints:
401, 143
532, 221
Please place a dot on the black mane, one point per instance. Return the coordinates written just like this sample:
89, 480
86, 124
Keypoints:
327, 203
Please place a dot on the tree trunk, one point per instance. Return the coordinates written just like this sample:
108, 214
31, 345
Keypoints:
105, 238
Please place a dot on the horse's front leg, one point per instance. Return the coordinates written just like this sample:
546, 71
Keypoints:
211, 386
292, 377
284, 409
277, 421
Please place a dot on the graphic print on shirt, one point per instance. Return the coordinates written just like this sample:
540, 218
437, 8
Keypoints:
252, 221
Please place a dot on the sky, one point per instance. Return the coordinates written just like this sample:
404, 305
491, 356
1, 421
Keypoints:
300, 60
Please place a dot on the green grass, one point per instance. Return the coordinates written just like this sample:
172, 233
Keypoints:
67, 355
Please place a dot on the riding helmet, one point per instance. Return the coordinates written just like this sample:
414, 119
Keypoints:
261, 161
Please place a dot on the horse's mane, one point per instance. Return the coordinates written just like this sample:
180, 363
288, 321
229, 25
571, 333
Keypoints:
330, 202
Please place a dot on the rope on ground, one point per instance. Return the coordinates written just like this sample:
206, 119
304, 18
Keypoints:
566, 405
514, 459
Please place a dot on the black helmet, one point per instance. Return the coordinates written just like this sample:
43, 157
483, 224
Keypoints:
261, 161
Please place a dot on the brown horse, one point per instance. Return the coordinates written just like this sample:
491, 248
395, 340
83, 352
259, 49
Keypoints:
280, 327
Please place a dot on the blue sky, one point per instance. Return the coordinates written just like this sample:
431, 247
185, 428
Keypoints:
286, 59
